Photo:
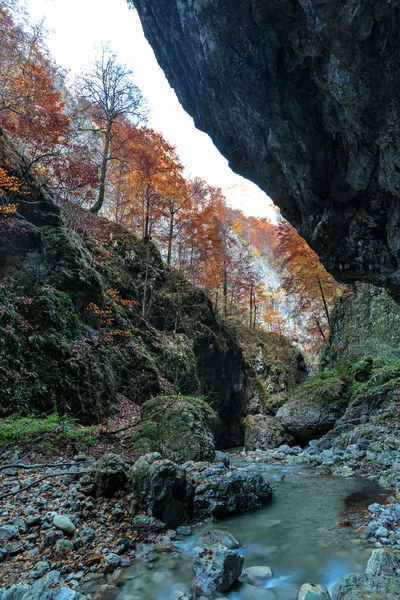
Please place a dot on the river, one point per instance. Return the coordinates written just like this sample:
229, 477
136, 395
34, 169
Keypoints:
298, 535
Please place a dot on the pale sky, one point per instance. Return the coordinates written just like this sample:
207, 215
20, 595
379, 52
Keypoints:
77, 27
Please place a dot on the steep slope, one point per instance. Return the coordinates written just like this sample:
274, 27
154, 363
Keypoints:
302, 97
88, 311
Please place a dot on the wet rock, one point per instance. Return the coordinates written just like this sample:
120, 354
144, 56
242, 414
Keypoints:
216, 569
382, 563
256, 576
211, 538
64, 524
110, 475
262, 432
313, 591
184, 530
106, 592
161, 489
222, 457
219, 491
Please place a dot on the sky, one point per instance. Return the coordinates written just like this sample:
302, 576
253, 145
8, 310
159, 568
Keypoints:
77, 27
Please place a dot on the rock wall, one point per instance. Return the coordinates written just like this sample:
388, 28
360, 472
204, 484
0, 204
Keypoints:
365, 325
302, 97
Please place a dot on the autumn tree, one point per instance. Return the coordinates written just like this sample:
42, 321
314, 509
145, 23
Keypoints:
306, 278
108, 95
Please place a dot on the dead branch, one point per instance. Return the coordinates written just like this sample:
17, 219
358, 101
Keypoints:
40, 466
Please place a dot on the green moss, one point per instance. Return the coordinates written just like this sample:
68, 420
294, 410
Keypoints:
383, 379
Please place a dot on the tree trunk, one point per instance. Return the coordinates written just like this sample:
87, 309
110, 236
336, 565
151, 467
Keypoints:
103, 173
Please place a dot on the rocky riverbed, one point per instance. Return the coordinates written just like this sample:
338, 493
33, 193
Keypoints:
106, 529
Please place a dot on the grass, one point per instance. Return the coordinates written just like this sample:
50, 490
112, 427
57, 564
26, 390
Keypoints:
23, 429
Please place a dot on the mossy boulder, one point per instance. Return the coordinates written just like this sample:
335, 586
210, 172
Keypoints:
180, 428
262, 432
315, 406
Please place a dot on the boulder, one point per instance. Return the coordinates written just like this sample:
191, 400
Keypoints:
110, 475
315, 406
313, 591
219, 491
366, 587
216, 569
181, 429
382, 563
214, 537
262, 432
256, 576
161, 489
64, 524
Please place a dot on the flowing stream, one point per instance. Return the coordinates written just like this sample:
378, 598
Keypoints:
297, 535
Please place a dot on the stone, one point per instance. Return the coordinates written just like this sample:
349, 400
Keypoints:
313, 591
64, 524
160, 486
40, 569
14, 548
218, 492
8, 532
111, 562
222, 457
216, 569
217, 536
145, 524
256, 576
262, 432
110, 475
184, 530
382, 563
294, 104
64, 546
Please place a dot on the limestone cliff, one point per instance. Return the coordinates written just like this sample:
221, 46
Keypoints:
303, 98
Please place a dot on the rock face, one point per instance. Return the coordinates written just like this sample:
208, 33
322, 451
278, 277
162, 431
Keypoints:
262, 432
302, 97
181, 429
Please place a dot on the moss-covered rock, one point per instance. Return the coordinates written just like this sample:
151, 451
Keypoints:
180, 428
315, 406
262, 432
363, 324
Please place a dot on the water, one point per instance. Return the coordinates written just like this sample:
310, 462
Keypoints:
297, 535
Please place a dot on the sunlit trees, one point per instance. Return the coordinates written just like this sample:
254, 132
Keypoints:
306, 278
108, 95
